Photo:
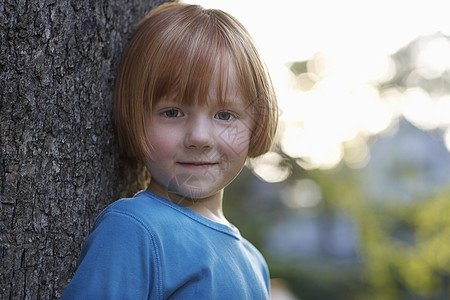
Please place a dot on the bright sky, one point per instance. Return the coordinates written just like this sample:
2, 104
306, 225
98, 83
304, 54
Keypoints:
348, 43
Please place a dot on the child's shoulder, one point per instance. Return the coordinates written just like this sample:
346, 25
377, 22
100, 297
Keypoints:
142, 201
145, 207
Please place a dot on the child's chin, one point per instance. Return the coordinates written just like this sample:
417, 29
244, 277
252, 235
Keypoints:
187, 186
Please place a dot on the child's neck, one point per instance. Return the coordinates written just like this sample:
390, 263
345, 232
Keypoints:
210, 207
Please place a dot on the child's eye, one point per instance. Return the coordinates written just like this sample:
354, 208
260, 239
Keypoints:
224, 115
172, 113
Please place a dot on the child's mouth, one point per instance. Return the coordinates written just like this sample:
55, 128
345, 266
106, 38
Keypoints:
197, 165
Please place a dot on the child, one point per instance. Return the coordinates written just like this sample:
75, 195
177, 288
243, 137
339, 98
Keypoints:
193, 100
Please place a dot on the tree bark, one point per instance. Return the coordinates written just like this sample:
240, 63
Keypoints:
59, 164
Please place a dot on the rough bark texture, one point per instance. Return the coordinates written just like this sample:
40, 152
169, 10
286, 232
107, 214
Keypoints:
59, 163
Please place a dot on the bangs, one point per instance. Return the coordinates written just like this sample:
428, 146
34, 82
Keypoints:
199, 57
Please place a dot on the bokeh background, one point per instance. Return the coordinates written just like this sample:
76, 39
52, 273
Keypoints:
354, 201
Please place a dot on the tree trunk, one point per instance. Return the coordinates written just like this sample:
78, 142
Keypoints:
59, 163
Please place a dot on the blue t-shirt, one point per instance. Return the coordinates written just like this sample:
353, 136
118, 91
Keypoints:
147, 247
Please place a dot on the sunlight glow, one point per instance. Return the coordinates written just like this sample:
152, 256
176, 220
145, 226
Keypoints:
269, 167
443, 111
419, 108
336, 110
434, 58
357, 153
302, 193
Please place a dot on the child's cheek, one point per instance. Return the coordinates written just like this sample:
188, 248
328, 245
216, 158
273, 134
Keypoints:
236, 138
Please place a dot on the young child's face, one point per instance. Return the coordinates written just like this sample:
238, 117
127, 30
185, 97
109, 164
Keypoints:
199, 149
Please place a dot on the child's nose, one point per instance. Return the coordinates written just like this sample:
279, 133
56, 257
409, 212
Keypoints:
199, 134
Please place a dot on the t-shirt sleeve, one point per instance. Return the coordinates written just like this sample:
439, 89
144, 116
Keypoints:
259, 263
118, 261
